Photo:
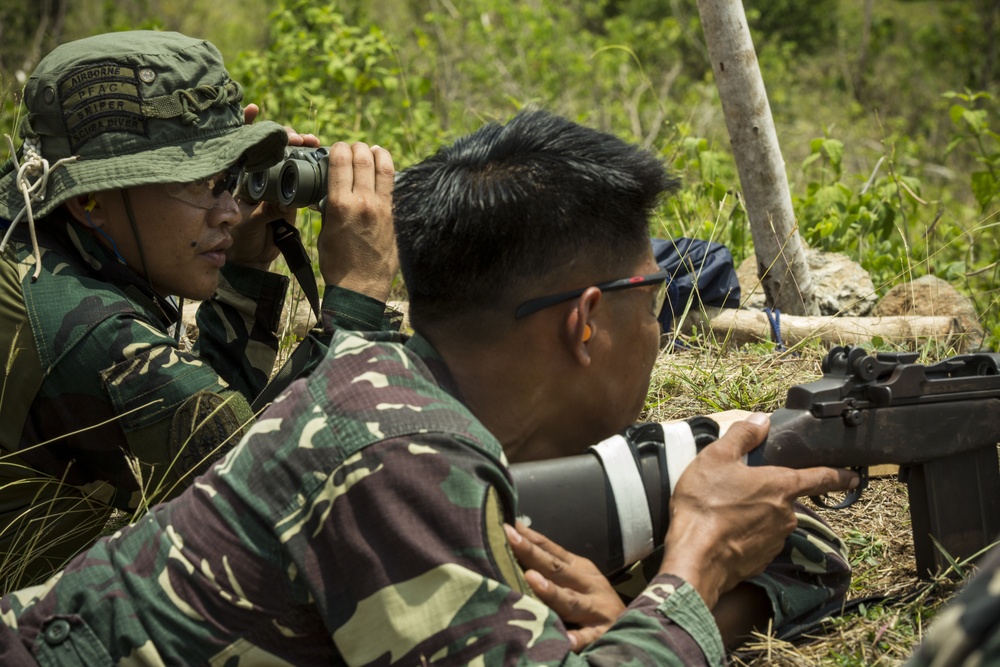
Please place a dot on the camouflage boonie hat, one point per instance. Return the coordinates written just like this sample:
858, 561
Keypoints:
135, 108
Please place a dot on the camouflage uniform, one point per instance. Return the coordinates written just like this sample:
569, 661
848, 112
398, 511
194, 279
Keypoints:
100, 407
804, 583
360, 521
127, 413
967, 632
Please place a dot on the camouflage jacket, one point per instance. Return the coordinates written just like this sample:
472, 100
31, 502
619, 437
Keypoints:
359, 522
967, 632
100, 406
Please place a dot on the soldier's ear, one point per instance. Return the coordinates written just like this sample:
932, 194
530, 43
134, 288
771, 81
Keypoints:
85, 209
580, 326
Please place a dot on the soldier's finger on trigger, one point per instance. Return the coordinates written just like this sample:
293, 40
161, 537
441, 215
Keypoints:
821, 480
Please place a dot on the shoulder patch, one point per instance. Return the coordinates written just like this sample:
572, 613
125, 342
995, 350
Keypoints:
499, 548
205, 427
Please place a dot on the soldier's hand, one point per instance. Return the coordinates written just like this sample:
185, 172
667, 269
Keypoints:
357, 245
727, 418
253, 241
570, 585
728, 520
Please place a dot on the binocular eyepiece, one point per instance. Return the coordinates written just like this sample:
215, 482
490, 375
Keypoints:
299, 180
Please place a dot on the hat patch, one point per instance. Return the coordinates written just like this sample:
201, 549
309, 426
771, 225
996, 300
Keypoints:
99, 99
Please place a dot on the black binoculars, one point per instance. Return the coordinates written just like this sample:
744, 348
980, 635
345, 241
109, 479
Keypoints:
298, 181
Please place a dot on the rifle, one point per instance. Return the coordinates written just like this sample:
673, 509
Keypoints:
939, 423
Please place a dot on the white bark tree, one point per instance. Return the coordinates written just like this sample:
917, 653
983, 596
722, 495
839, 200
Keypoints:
781, 259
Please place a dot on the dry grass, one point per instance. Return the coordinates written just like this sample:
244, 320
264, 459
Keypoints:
880, 631
700, 378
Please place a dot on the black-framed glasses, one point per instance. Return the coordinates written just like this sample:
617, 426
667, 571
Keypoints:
205, 192
534, 305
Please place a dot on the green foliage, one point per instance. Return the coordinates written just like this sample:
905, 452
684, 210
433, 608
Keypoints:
706, 205
633, 74
810, 27
860, 221
971, 114
342, 82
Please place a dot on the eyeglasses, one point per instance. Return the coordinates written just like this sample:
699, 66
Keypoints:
205, 192
534, 305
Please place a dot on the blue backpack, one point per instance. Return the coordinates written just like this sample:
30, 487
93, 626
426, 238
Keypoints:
702, 269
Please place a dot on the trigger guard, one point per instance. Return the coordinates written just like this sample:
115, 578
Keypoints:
852, 496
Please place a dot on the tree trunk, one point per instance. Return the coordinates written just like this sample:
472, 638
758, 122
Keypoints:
862, 64
781, 260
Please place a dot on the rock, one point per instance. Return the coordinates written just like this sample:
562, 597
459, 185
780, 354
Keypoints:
842, 287
930, 295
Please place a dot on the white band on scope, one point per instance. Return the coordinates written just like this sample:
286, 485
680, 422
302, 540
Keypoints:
678, 443
630, 497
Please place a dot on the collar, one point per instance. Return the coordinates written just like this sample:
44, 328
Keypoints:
65, 236
422, 347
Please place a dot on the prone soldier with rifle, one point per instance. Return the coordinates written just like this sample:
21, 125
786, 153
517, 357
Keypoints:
940, 423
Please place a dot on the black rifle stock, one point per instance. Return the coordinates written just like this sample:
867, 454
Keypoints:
940, 423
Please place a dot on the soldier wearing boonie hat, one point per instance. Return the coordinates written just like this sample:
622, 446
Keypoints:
126, 109
122, 196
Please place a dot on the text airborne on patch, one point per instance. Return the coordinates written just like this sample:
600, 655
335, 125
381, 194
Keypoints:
99, 99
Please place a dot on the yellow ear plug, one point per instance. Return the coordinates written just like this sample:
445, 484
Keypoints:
91, 204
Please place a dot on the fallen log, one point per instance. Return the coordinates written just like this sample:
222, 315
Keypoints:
736, 326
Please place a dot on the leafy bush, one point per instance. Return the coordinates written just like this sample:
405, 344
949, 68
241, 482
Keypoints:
897, 180
342, 82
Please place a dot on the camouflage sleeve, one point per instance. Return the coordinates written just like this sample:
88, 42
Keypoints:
811, 571
967, 632
447, 529
133, 390
413, 529
345, 309
128, 419
238, 327
290, 554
